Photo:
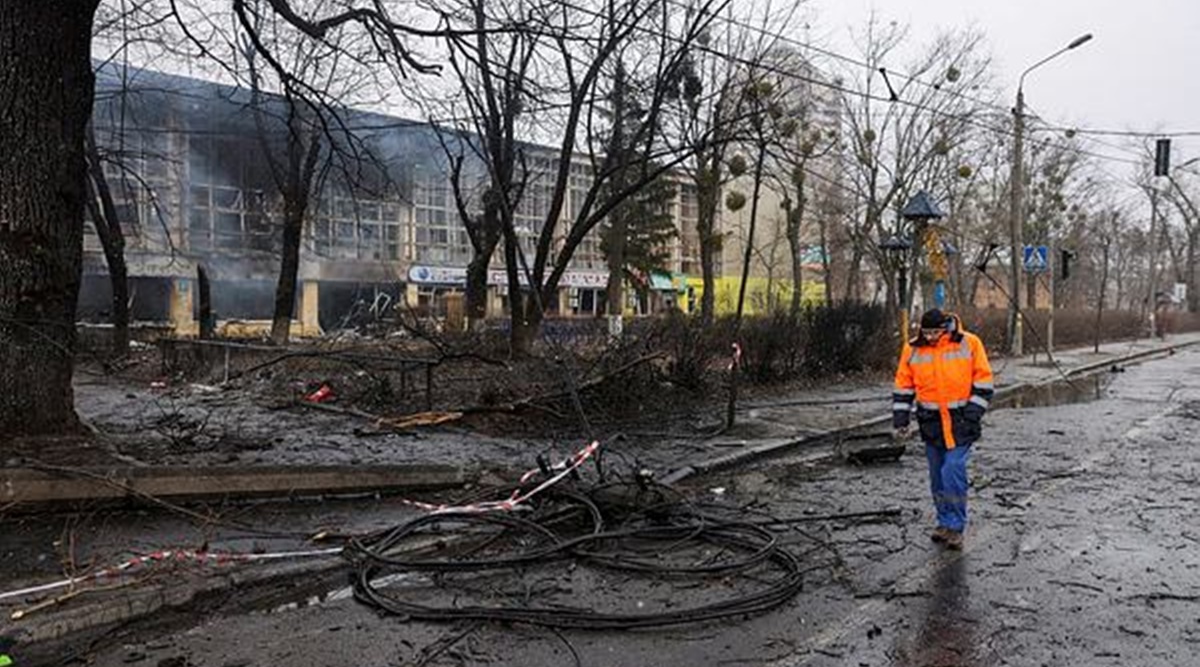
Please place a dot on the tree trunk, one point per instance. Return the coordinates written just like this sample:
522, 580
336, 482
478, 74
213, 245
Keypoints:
521, 333
1193, 298
303, 151
48, 83
617, 236
112, 240
706, 230
285, 287
1100, 298
525, 326
208, 322
477, 277
823, 227
852, 292
794, 221
758, 174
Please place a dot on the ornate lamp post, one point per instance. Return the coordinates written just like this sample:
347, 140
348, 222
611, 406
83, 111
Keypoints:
918, 212
898, 249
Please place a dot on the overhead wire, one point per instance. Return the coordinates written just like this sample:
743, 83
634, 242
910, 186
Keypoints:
772, 68
809, 46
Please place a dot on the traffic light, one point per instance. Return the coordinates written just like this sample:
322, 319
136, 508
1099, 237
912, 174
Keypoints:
1065, 257
1162, 157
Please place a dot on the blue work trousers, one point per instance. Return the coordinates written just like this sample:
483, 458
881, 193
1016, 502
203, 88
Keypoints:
948, 483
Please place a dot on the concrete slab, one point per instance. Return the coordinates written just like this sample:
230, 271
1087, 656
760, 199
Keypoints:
54, 484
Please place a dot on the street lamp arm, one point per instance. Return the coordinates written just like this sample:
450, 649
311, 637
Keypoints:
1076, 43
1043, 61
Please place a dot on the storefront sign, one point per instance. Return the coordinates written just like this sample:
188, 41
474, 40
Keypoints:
453, 275
437, 275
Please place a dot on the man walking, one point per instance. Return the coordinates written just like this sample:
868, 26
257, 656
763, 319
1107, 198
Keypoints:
945, 371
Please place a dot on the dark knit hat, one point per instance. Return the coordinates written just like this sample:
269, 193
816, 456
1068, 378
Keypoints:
933, 319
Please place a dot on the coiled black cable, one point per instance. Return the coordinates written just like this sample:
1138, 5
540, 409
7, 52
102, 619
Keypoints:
644, 531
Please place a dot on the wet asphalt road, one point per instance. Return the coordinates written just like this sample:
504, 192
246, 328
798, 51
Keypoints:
1084, 549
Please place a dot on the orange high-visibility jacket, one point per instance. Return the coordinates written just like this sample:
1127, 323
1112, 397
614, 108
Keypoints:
951, 384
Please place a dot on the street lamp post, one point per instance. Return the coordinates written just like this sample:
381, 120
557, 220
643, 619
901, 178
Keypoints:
1016, 214
899, 248
918, 213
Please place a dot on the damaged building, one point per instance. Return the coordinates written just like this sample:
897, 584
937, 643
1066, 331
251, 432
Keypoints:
187, 162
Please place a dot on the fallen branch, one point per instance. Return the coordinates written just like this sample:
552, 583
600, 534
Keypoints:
530, 402
432, 651
1077, 584
59, 599
1156, 597
420, 419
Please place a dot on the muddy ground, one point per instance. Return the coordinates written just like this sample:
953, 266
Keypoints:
505, 414
1082, 550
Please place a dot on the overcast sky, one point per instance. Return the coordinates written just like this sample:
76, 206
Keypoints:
1136, 74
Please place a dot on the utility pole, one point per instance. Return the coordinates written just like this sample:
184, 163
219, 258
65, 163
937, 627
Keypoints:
1016, 220
1016, 213
1050, 315
1152, 267
1162, 169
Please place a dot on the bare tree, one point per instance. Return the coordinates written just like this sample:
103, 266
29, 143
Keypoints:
713, 77
294, 165
46, 73
107, 224
300, 88
900, 130
1182, 195
634, 239
586, 41
805, 170
493, 75
123, 25
771, 124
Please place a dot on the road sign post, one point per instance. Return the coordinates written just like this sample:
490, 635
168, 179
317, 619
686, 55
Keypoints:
1037, 260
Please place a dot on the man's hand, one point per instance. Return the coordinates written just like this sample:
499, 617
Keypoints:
902, 433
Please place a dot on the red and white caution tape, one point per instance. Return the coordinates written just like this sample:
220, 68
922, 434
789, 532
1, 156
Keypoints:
219, 558
192, 556
516, 498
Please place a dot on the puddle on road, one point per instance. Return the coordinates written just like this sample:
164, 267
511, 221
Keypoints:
1062, 392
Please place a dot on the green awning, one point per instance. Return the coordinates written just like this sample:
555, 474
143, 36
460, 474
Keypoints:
661, 282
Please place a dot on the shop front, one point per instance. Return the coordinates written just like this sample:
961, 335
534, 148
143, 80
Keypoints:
580, 293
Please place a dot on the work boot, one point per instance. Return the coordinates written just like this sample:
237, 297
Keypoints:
954, 540
940, 534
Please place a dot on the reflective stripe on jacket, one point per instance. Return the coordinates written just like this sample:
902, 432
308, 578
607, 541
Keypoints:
949, 381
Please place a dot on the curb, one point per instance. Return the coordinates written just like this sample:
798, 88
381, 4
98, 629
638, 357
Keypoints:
1096, 365
742, 457
48, 485
40, 630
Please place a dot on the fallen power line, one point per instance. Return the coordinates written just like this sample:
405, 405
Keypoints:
579, 538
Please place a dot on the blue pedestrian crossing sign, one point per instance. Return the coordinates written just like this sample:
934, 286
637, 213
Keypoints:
1037, 258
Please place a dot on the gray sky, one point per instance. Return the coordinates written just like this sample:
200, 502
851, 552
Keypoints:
1136, 74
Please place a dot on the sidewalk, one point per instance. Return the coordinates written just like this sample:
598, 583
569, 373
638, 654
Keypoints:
769, 427
836, 407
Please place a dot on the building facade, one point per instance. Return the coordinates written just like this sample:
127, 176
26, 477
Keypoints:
188, 164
